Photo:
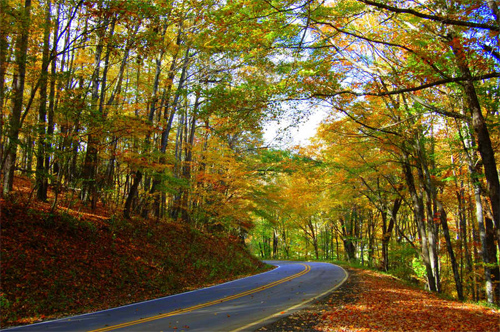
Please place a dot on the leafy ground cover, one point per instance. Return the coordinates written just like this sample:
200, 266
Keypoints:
75, 260
370, 301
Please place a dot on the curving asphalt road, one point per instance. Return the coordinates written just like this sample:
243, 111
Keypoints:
240, 305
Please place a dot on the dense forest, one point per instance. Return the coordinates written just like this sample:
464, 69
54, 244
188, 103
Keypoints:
156, 109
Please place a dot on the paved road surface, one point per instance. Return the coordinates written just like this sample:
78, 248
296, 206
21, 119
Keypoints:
241, 305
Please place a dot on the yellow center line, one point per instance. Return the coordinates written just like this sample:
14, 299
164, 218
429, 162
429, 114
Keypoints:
206, 304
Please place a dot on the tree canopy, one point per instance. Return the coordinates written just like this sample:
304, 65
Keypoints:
156, 108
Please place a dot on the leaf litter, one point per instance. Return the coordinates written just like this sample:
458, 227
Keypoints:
371, 301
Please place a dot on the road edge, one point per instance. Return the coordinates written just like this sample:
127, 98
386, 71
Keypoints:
284, 313
81, 315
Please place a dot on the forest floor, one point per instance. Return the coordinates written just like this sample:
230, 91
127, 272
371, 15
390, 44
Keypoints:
371, 301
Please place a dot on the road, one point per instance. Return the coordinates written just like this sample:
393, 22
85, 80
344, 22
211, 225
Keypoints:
240, 305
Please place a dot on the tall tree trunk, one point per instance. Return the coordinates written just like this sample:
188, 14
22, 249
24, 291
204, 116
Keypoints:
476, 255
4, 45
387, 232
166, 106
418, 210
18, 82
449, 247
314, 236
482, 134
493, 262
116, 91
188, 159
485, 246
99, 85
169, 116
347, 236
275, 244
482, 236
89, 170
179, 143
42, 151
430, 193
138, 174
464, 238
133, 191
52, 96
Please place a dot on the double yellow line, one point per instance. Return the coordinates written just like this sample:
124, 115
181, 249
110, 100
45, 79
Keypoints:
307, 268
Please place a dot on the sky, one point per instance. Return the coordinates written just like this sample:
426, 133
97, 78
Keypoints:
293, 135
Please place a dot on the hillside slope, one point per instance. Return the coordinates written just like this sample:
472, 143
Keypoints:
69, 261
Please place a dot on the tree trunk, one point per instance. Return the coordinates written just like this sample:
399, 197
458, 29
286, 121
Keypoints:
387, 232
314, 237
493, 262
132, 193
347, 236
449, 247
42, 169
482, 137
484, 242
52, 94
4, 45
165, 105
418, 210
485, 246
275, 243
18, 82
170, 117
186, 169
89, 170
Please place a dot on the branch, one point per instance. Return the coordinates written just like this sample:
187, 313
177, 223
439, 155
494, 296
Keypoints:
412, 89
490, 49
355, 35
439, 110
407, 239
364, 124
431, 17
